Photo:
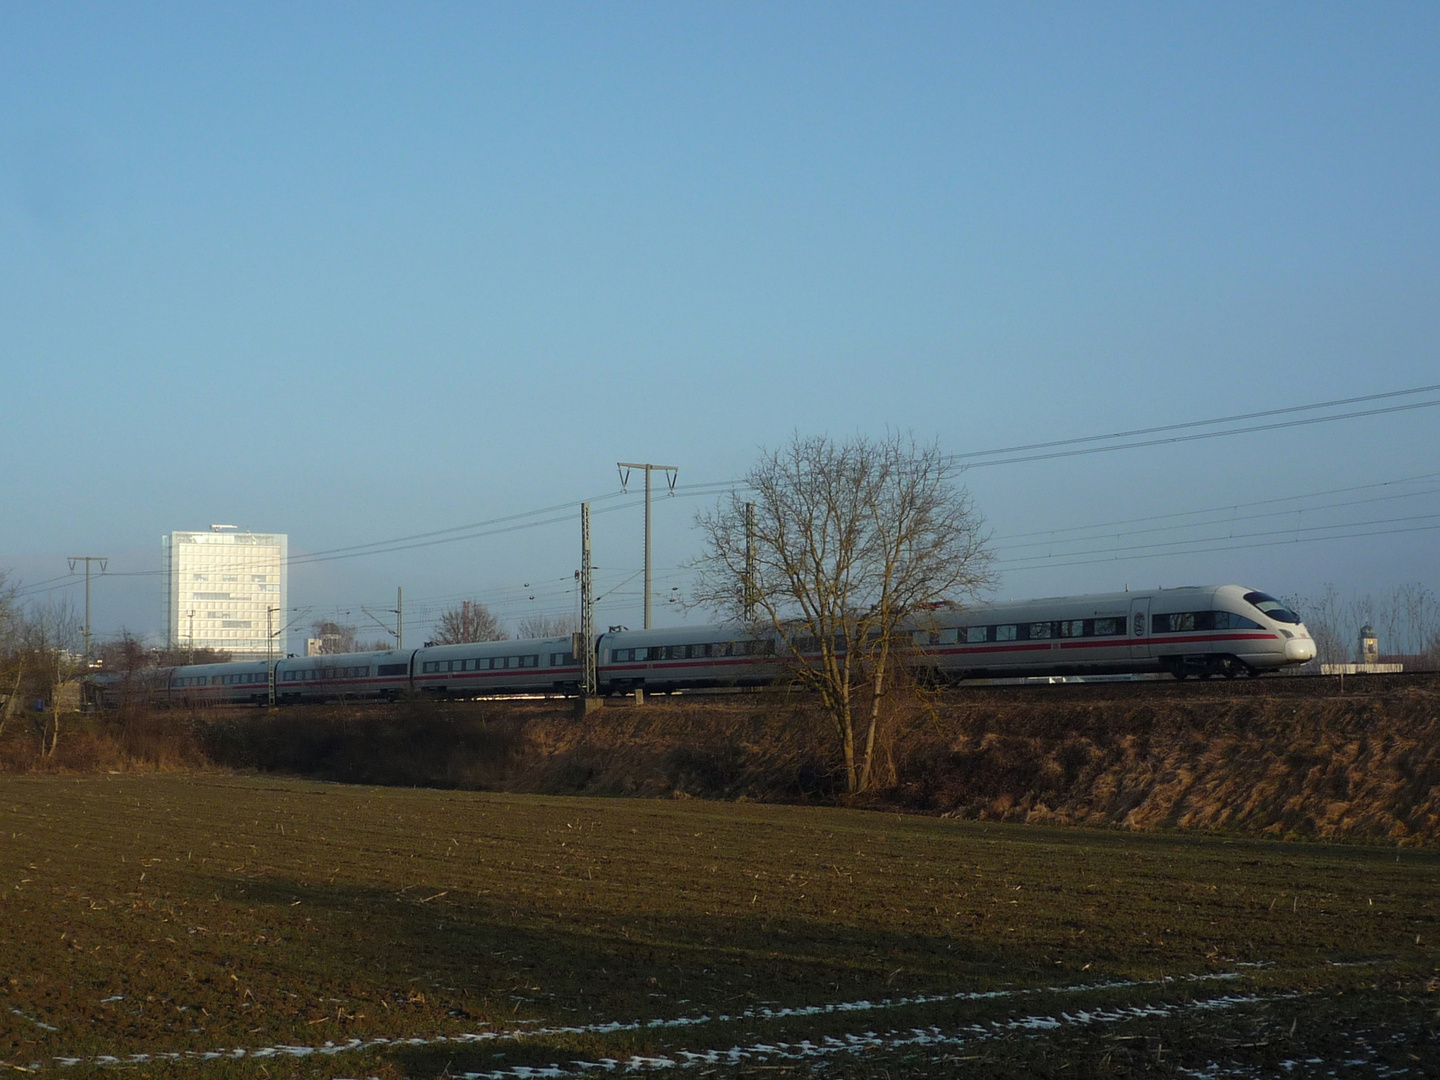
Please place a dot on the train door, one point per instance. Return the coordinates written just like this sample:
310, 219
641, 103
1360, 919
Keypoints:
1139, 628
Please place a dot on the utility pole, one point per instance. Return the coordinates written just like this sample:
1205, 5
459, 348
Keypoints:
749, 560
87, 560
270, 664
399, 612
588, 675
674, 472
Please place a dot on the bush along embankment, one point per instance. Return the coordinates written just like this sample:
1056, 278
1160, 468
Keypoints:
1324, 767
1359, 767
124, 741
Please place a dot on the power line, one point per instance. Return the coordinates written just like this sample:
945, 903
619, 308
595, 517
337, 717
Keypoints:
1210, 423
1189, 547
1232, 521
1420, 479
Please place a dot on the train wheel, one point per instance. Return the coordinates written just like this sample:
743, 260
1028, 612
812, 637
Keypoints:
1180, 674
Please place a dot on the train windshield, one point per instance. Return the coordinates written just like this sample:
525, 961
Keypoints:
1271, 607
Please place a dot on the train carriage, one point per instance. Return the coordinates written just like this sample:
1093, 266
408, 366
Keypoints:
343, 675
1211, 630
535, 666
242, 683
685, 658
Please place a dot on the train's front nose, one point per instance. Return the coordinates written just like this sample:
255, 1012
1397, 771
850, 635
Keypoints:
1300, 648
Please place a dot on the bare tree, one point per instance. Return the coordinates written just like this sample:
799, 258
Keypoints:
546, 626
849, 545
1324, 619
183, 655
471, 621
12, 657
49, 636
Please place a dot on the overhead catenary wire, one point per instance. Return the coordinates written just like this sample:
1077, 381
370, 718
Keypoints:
968, 458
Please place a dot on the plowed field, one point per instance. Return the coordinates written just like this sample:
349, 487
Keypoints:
219, 926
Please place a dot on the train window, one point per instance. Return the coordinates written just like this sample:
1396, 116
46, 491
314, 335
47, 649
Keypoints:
1109, 627
1182, 620
975, 634
393, 669
1039, 630
1228, 620
1271, 607
1072, 628
427, 667
1006, 633
950, 635
620, 656
533, 660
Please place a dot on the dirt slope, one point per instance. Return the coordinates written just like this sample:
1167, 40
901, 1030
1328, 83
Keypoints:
1354, 765
1281, 756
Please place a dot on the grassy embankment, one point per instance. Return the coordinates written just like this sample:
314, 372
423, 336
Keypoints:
1293, 758
274, 919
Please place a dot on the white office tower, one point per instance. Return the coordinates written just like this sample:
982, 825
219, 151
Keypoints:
225, 589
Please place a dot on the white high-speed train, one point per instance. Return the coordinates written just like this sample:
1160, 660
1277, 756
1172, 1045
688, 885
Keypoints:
1224, 630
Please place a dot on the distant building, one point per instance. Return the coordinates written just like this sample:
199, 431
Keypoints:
1368, 649
226, 589
1368, 646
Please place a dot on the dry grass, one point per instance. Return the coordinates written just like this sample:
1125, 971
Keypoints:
172, 913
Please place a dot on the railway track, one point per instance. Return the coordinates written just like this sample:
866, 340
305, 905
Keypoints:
1269, 686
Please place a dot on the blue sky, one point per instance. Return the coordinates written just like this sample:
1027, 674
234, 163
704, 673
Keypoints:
362, 271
